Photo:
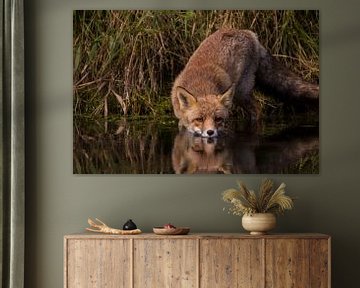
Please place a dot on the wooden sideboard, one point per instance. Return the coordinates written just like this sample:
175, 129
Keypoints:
197, 260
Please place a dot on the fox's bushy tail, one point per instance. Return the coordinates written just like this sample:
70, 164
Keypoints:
273, 77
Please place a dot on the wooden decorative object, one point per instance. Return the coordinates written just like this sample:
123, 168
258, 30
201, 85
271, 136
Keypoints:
101, 227
197, 261
171, 231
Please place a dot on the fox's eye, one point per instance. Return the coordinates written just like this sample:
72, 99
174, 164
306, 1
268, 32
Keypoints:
219, 119
199, 119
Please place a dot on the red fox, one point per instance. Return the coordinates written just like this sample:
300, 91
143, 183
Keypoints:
225, 66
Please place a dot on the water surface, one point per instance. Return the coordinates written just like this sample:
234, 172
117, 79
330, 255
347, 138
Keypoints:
145, 146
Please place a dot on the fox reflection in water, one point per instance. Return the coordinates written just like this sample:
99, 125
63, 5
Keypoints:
192, 154
236, 154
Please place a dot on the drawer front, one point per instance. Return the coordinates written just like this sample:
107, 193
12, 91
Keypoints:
231, 263
98, 263
165, 263
297, 263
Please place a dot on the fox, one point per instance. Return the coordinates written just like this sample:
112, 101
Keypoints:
223, 70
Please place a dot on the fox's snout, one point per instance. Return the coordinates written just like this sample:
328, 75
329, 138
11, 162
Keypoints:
213, 132
210, 133
206, 127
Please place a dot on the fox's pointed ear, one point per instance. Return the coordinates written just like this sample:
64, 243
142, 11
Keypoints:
226, 98
186, 99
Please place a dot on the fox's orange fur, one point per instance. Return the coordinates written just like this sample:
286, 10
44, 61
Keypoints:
225, 66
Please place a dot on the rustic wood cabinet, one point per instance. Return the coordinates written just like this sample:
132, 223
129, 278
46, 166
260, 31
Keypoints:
197, 260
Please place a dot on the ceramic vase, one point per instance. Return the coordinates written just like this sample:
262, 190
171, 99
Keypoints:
259, 223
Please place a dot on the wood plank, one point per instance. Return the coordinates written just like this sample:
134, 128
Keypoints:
287, 263
98, 263
89, 235
165, 263
66, 262
231, 263
319, 263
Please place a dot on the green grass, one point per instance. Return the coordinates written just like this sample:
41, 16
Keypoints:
124, 62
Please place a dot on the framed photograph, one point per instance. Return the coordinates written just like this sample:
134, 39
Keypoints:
196, 92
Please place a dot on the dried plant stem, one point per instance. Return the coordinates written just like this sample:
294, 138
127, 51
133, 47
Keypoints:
101, 227
245, 201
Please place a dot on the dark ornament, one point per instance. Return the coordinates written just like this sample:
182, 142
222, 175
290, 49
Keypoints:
129, 225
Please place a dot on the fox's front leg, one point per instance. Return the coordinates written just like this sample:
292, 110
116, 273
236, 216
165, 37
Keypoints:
251, 109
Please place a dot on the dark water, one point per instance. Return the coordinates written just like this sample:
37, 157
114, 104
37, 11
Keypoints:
158, 147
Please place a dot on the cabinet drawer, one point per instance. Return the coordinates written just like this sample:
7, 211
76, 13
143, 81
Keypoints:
165, 263
229, 263
98, 263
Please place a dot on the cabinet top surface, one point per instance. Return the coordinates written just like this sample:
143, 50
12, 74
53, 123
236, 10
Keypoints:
87, 235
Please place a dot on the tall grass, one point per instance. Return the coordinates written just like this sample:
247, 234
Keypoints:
124, 62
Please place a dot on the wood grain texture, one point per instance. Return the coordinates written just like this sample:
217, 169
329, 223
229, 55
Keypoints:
231, 263
287, 263
98, 263
165, 263
319, 263
88, 235
197, 260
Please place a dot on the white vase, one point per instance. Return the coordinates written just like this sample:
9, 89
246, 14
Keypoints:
259, 223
